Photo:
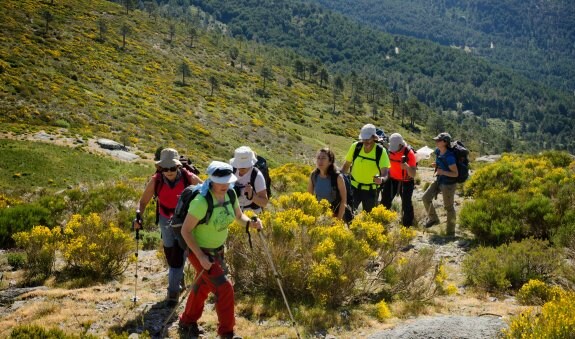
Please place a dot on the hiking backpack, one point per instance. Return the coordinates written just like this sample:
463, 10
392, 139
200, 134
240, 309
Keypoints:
187, 164
461, 160
189, 193
348, 214
262, 166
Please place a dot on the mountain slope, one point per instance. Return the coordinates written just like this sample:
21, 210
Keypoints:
534, 37
64, 74
439, 76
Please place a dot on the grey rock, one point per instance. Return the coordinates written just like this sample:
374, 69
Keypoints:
446, 327
110, 144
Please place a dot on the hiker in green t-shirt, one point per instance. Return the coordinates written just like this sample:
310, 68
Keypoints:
206, 237
369, 165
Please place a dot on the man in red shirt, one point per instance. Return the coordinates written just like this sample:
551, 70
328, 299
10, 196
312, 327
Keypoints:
401, 174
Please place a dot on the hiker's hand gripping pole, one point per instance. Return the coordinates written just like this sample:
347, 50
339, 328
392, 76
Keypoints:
276, 275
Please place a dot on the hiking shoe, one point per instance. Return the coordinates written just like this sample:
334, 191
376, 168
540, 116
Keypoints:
172, 299
192, 329
430, 223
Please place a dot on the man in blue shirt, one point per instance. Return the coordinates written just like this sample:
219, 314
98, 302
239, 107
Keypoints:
446, 173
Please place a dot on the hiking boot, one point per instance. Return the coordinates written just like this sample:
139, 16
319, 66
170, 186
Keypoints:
230, 336
430, 223
192, 329
172, 299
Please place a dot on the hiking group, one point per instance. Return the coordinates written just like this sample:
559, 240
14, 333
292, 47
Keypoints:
194, 215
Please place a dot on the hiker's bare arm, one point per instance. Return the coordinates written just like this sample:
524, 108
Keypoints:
343, 196
194, 179
383, 173
345, 167
410, 170
453, 173
243, 219
310, 187
261, 198
189, 224
147, 196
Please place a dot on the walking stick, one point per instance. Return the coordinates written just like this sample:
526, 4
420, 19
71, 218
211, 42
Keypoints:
276, 275
188, 290
139, 221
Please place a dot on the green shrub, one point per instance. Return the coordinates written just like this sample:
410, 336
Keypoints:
150, 240
16, 259
21, 218
511, 266
92, 247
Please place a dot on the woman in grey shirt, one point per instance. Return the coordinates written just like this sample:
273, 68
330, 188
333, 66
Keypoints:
325, 182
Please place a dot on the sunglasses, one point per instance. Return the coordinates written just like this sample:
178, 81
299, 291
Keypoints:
220, 172
171, 169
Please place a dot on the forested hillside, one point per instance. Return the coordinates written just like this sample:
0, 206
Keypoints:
533, 37
442, 77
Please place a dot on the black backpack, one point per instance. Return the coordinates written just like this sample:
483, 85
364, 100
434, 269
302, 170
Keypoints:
183, 205
461, 160
187, 164
348, 215
262, 166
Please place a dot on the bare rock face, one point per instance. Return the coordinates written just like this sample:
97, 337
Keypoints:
111, 145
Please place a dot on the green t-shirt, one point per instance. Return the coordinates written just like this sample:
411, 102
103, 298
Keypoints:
364, 168
215, 232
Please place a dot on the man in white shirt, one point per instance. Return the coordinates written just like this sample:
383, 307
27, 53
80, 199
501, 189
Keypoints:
251, 184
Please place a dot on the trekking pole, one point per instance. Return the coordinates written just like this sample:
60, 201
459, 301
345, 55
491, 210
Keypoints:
270, 261
188, 290
138, 220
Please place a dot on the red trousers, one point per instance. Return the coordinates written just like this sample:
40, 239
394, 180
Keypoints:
214, 281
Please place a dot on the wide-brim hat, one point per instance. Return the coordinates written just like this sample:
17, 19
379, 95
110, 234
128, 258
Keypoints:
221, 173
367, 132
396, 142
244, 157
169, 157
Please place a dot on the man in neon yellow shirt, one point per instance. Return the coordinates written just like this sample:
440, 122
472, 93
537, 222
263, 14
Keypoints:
369, 165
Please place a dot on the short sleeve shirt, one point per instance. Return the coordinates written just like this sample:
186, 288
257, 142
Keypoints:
364, 168
215, 232
260, 185
443, 161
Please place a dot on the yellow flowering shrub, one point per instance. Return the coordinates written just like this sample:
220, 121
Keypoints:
537, 292
40, 244
556, 319
317, 256
93, 247
290, 178
382, 311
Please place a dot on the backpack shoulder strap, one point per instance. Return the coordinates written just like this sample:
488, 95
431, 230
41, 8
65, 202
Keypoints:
334, 177
210, 202
158, 182
358, 147
378, 153
232, 196
253, 177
